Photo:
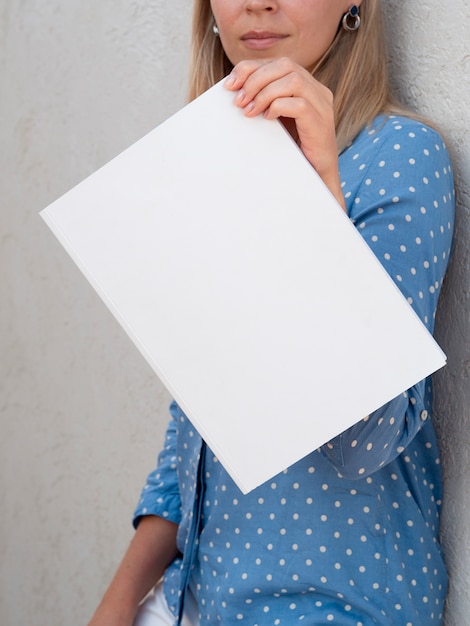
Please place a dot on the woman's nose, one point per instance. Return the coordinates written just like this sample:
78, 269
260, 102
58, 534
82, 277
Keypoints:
261, 5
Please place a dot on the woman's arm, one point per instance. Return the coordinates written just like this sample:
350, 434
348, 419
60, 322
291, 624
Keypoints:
151, 550
153, 547
399, 184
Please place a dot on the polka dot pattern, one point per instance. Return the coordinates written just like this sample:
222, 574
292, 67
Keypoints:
349, 534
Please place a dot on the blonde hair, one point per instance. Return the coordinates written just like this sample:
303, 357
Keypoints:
354, 68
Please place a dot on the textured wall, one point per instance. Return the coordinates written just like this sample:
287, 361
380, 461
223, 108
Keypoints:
82, 416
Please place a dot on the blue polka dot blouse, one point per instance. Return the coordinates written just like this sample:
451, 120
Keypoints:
349, 534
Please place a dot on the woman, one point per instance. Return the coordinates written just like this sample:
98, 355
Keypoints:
348, 535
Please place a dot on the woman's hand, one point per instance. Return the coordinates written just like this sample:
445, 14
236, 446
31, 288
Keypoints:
283, 89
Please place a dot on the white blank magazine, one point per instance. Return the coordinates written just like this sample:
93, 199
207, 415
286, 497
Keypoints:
227, 261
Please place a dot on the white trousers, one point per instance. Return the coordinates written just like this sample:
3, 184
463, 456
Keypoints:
154, 610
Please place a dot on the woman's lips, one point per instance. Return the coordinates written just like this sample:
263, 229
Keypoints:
261, 40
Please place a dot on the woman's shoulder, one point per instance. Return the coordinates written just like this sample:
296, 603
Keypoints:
397, 157
393, 143
394, 133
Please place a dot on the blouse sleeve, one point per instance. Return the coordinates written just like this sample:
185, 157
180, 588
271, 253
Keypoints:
160, 495
402, 202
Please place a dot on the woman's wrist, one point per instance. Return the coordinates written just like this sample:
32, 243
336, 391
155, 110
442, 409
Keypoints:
114, 612
334, 185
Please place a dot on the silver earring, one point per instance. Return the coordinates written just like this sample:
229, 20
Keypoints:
351, 19
215, 29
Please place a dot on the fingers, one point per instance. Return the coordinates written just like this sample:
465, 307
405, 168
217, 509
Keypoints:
259, 84
255, 98
288, 107
240, 73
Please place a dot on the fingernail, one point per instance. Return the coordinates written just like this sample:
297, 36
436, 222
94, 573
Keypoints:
249, 107
240, 96
230, 80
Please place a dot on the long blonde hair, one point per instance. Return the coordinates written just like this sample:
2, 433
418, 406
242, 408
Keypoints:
354, 67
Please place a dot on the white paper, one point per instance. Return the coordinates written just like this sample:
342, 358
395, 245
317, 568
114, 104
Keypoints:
245, 286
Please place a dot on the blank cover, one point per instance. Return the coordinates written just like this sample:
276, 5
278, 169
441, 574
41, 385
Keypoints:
232, 268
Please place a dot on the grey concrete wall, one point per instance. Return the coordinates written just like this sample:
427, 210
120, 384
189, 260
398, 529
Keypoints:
82, 416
